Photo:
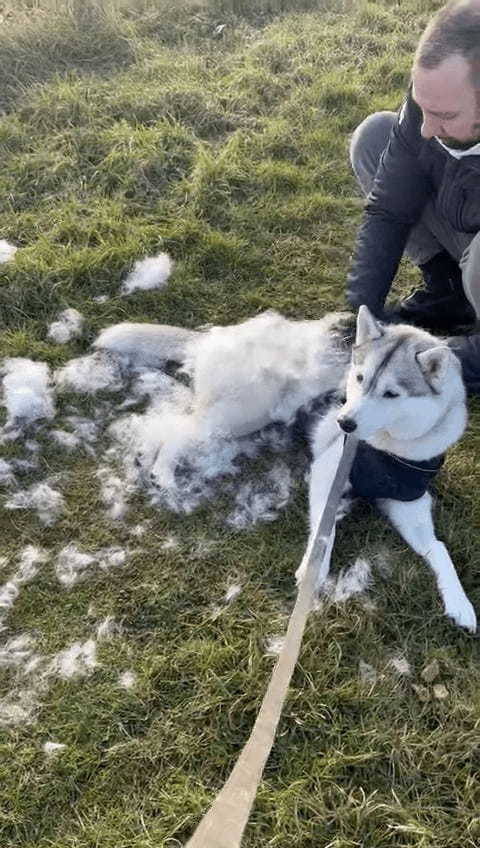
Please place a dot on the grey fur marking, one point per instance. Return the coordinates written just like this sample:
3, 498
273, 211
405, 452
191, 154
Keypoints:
383, 364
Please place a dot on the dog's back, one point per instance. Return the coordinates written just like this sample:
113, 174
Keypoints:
150, 345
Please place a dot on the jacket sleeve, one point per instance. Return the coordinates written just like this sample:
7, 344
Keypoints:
399, 193
467, 349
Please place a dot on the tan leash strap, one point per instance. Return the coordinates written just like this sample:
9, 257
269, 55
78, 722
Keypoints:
224, 823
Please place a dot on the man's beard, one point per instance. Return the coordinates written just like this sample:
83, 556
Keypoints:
455, 144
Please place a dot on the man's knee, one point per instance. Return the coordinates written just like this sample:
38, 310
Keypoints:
467, 349
367, 145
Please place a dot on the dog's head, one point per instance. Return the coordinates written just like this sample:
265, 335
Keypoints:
400, 380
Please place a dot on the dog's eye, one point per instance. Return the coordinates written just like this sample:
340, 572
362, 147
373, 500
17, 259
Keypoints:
389, 394
359, 378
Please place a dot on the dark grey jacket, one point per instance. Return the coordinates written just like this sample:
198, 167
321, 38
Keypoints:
412, 170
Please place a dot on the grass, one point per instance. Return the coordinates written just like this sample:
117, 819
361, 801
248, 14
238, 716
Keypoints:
129, 128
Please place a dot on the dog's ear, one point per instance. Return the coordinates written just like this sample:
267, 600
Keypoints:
434, 362
367, 328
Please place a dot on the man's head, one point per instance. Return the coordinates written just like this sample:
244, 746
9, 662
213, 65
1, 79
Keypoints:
446, 75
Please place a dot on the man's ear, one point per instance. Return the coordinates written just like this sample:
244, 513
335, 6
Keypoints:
367, 327
434, 363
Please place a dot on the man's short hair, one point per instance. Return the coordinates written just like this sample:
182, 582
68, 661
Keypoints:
455, 29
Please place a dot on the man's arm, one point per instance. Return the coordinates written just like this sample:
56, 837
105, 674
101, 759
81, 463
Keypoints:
400, 191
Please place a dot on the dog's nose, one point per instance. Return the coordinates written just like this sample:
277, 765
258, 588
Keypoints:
348, 425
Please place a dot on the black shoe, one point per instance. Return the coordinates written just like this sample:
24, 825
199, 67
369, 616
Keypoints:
441, 305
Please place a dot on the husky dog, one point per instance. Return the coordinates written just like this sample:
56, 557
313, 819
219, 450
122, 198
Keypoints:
405, 401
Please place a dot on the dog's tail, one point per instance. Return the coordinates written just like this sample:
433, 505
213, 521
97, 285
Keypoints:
147, 344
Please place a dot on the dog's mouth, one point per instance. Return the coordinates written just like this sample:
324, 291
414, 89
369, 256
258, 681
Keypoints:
348, 424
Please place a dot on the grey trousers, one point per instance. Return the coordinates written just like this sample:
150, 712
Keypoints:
433, 233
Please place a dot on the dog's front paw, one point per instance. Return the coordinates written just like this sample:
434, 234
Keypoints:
461, 610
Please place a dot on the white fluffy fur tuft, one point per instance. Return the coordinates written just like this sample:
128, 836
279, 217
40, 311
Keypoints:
150, 273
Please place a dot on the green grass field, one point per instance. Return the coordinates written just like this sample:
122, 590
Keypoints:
216, 131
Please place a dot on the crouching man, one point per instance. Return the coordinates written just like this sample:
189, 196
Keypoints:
420, 171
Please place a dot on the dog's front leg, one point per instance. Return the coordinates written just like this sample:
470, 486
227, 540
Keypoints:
327, 452
413, 520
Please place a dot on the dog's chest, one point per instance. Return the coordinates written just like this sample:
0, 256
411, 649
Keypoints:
377, 474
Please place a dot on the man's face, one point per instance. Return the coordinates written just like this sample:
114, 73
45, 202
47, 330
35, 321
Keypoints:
448, 100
